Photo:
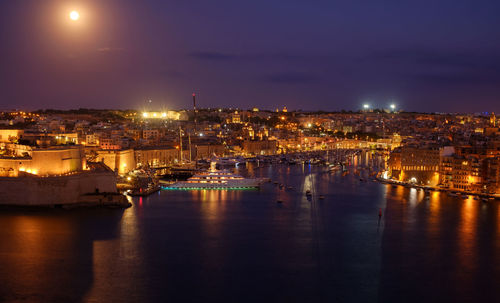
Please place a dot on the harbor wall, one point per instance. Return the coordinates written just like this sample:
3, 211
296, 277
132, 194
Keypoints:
85, 187
41, 161
121, 161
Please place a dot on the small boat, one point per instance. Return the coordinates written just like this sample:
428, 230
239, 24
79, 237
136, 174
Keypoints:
143, 192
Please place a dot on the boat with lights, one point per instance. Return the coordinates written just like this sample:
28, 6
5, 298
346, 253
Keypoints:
218, 179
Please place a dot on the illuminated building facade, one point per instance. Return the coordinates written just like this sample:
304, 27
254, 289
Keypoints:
420, 164
22, 159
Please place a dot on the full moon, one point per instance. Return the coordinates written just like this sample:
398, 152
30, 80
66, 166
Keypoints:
74, 15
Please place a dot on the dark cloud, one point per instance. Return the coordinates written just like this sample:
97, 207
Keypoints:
212, 56
453, 79
292, 78
259, 56
443, 58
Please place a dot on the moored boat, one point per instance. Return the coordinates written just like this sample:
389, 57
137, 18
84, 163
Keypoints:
218, 179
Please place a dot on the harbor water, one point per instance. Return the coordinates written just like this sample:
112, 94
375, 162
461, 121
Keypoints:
243, 246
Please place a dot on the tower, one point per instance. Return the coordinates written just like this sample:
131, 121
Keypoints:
194, 102
194, 111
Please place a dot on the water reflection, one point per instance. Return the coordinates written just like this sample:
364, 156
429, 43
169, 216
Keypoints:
437, 250
48, 256
241, 246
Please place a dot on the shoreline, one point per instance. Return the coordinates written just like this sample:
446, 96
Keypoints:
78, 205
433, 188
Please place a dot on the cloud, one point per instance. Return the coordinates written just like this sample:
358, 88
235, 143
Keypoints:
455, 78
438, 67
263, 56
212, 56
442, 58
109, 49
292, 78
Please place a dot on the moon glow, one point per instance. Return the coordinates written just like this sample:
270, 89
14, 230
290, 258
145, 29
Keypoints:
74, 15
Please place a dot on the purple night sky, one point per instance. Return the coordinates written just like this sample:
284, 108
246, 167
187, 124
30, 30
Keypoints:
427, 55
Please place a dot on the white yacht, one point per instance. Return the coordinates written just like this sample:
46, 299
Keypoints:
217, 179
229, 161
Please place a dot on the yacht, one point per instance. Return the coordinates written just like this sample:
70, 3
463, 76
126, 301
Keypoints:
229, 161
217, 179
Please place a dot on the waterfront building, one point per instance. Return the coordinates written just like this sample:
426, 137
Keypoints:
156, 157
420, 164
256, 147
54, 160
466, 174
491, 168
394, 164
120, 161
208, 151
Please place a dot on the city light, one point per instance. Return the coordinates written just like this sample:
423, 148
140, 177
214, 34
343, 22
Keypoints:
172, 115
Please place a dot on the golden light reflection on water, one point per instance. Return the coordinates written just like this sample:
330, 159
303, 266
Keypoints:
36, 246
213, 208
498, 224
467, 232
126, 247
413, 198
434, 203
434, 207
400, 190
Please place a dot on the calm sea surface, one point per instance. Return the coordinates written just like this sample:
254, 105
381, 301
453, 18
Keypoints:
242, 246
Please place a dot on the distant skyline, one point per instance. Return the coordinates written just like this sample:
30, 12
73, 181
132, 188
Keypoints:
426, 56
